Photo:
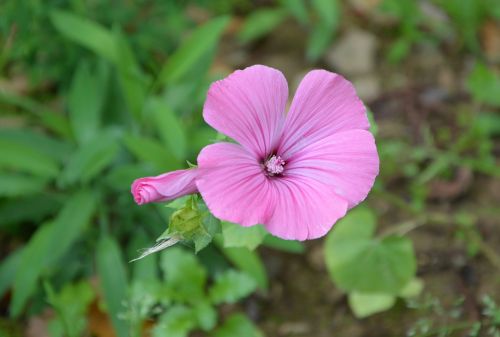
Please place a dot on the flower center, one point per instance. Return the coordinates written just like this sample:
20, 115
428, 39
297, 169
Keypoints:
274, 165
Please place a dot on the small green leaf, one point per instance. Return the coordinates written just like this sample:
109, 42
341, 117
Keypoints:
237, 325
200, 45
15, 185
298, 9
260, 23
87, 33
169, 128
113, 282
319, 40
238, 236
364, 305
206, 315
71, 305
484, 85
328, 11
151, 151
86, 99
183, 274
177, 321
18, 156
8, 269
412, 288
91, 159
231, 286
289, 246
247, 261
358, 262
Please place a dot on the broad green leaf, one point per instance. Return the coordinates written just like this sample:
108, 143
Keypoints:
237, 325
18, 156
364, 305
247, 261
231, 286
8, 268
289, 246
183, 274
319, 40
87, 33
46, 247
113, 281
328, 11
177, 321
15, 185
196, 47
358, 262
151, 151
169, 128
86, 99
484, 85
89, 160
260, 23
298, 9
238, 236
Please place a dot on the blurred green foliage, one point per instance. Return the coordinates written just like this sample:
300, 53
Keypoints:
115, 93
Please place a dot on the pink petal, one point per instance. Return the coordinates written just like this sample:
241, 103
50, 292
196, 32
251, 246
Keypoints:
249, 106
304, 208
167, 186
325, 103
347, 162
233, 184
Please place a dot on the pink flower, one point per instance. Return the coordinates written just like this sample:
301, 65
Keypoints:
167, 186
295, 173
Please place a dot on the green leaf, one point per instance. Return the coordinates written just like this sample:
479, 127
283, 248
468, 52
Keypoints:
15, 185
71, 305
260, 23
39, 142
206, 315
247, 261
412, 288
328, 11
178, 321
298, 9
484, 85
86, 99
183, 274
32, 208
231, 286
364, 305
237, 325
8, 268
151, 151
46, 247
238, 236
289, 246
358, 262
91, 159
113, 283
87, 33
319, 40
18, 156
200, 45
169, 128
